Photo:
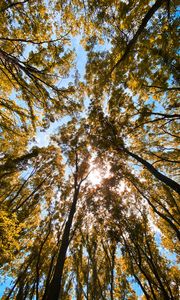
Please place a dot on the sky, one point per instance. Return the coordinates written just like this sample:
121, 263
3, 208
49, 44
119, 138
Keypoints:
43, 137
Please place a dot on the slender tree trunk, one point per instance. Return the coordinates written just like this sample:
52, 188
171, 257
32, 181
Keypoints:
162, 215
141, 286
166, 180
20, 295
161, 280
134, 273
48, 277
55, 285
111, 261
12, 5
19, 278
144, 22
153, 267
87, 289
112, 273
13, 163
38, 260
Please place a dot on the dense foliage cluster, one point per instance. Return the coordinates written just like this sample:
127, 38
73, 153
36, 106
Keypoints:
65, 234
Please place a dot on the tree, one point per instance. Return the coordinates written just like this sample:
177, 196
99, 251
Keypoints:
80, 174
33, 61
66, 234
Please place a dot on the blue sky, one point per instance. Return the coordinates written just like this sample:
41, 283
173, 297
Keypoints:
42, 138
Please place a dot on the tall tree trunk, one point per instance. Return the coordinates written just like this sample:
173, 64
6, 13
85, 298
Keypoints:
55, 285
112, 273
39, 258
11, 164
47, 282
160, 214
144, 22
166, 180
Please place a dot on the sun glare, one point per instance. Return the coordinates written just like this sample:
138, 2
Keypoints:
97, 175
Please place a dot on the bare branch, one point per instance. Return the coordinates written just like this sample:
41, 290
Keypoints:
13, 5
31, 41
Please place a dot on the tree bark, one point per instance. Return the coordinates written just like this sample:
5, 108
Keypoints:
39, 258
160, 214
144, 22
13, 163
13, 5
54, 289
166, 180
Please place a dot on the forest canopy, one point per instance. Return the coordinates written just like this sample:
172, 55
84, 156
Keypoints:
92, 213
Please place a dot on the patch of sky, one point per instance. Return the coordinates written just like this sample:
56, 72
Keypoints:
157, 106
81, 55
7, 282
105, 46
130, 279
27, 49
171, 256
136, 168
43, 137
135, 286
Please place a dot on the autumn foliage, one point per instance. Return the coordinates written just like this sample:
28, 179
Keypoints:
93, 213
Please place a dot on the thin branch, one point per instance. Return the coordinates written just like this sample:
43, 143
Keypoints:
175, 88
22, 186
173, 135
12, 5
32, 193
166, 115
165, 159
31, 41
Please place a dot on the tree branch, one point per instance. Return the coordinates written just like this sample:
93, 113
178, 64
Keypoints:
144, 22
12, 5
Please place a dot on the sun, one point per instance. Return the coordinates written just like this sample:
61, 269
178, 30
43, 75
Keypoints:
95, 177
